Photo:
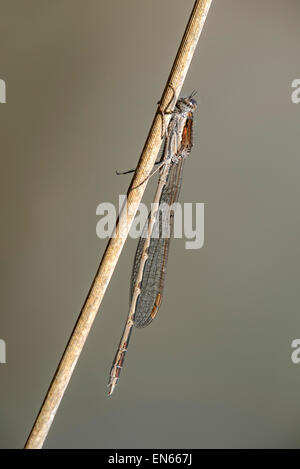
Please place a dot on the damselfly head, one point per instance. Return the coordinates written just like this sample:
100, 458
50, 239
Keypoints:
187, 104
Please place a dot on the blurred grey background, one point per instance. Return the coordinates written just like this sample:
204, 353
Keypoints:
214, 369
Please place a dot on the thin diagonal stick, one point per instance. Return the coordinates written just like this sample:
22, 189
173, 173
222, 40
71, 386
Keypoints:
114, 247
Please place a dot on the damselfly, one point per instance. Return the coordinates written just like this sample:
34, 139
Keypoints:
149, 268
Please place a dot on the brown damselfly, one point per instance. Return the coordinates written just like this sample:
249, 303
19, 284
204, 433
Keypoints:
149, 268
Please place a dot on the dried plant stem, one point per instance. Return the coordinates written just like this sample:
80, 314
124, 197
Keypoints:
109, 260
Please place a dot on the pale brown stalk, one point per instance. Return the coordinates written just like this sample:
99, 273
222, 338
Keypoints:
114, 247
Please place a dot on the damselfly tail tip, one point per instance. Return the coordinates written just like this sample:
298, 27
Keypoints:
111, 386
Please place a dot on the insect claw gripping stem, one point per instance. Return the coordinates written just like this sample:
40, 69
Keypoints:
165, 111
